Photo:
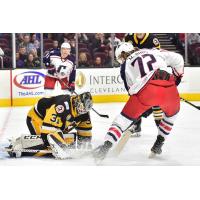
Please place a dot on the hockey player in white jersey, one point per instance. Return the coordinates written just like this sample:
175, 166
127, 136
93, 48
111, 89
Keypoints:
61, 67
149, 83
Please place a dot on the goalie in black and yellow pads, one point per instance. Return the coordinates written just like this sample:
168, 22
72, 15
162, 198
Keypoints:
50, 122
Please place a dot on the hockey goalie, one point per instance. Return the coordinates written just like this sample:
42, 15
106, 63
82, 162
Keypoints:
50, 123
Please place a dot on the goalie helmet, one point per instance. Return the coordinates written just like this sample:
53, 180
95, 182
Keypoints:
122, 48
83, 103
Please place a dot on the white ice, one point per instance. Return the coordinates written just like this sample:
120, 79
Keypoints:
181, 148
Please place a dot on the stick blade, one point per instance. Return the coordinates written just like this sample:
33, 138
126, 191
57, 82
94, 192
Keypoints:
122, 142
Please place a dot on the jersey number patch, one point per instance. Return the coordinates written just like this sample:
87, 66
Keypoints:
55, 119
139, 60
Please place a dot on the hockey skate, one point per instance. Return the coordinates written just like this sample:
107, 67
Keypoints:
100, 152
157, 147
136, 130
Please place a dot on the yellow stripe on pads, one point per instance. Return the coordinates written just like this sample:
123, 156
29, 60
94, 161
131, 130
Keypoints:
39, 154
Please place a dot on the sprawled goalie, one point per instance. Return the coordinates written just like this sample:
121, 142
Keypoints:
50, 122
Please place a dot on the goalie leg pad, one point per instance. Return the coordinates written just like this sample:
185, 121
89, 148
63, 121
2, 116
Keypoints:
25, 142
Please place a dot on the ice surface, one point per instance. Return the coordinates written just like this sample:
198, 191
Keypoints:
181, 148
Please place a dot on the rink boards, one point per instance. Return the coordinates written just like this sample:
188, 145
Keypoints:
21, 87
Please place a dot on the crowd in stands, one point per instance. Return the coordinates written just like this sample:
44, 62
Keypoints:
5, 50
193, 42
28, 50
194, 48
94, 49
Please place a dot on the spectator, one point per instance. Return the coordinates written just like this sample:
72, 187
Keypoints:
22, 53
83, 60
193, 38
181, 37
82, 38
69, 36
116, 41
26, 43
72, 42
35, 41
108, 62
34, 52
31, 62
98, 62
99, 43
55, 45
19, 62
19, 37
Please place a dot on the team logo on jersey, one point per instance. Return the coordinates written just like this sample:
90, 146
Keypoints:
29, 80
80, 80
60, 109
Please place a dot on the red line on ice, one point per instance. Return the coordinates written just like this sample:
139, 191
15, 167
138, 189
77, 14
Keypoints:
5, 123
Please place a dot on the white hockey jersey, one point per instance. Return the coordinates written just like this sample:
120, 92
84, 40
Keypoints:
141, 65
59, 67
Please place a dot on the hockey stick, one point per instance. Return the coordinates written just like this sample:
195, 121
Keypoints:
77, 153
122, 142
197, 107
101, 115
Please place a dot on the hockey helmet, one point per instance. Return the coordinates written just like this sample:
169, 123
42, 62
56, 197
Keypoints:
84, 103
66, 45
123, 47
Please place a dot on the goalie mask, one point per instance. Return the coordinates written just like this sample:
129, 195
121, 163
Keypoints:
123, 50
83, 103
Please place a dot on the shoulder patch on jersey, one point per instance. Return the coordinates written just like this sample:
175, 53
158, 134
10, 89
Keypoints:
156, 42
60, 108
66, 105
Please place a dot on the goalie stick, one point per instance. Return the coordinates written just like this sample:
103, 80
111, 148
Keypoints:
197, 107
77, 153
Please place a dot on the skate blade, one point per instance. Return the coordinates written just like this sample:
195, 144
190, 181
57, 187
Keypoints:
136, 134
98, 162
152, 155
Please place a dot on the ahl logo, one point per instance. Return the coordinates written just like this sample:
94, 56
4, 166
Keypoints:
80, 80
29, 80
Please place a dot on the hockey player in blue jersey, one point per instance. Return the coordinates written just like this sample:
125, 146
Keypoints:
61, 67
